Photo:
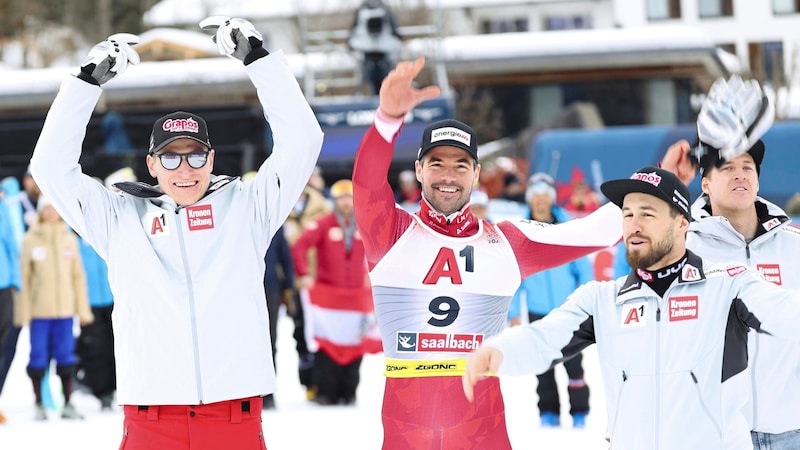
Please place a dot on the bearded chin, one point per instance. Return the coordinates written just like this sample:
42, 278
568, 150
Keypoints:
645, 260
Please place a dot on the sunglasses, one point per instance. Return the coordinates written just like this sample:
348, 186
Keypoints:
172, 161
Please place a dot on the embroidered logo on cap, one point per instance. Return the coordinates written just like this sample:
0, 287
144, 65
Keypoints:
652, 178
181, 125
451, 134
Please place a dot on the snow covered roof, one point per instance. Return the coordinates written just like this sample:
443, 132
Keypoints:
193, 39
179, 12
651, 45
530, 52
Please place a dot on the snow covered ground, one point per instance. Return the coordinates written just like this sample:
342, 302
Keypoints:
298, 424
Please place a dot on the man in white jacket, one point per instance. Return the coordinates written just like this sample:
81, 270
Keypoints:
672, 335
734, 224
185, 257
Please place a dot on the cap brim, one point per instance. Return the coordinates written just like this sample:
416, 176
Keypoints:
175, 138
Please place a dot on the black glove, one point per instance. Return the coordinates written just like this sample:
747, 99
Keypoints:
236, 38
109, 58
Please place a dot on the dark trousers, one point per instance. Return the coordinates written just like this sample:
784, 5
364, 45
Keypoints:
335, 381
9, 350
273, 307
305, 357
6, 325
578, 390
95, 349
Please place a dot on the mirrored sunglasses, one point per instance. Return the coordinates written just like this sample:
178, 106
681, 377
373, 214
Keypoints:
172, 161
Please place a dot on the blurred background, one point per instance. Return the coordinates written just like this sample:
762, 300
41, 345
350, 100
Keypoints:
585, 90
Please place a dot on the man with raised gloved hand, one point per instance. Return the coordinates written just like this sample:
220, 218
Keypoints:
733, 223
185, 256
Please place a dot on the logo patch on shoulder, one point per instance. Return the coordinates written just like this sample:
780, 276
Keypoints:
200, 217
683, 308
634, 314
156, 224
735, 270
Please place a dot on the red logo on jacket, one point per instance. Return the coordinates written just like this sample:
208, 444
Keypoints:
770, 272
200, 217
736, 270
683, 308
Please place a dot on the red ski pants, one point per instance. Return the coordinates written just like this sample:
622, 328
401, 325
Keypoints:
214, 426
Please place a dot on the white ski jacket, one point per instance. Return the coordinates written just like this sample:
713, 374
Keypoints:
190, 317
775, 252
673, 367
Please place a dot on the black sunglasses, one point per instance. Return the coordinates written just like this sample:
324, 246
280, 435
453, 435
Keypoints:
172, 161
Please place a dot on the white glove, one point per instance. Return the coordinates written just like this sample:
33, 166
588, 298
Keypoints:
734, 116
236, 38
109, 58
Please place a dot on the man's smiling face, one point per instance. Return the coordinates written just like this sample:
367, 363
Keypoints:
185, 184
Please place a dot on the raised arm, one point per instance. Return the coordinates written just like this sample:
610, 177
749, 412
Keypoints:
295, 130
54, 165
378, 220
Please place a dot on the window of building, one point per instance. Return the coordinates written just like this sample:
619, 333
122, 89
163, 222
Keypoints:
504, 25
663, 9
578, 22
766, 62
716, 8
786, 6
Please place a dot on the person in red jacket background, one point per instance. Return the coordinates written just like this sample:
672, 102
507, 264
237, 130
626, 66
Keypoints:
340, 312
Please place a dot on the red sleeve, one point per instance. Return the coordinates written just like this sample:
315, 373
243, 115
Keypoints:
308, 239
538, 246
379, 221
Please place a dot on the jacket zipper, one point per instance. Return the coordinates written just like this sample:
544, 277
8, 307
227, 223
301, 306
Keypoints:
754, 359
657, 428
192, 314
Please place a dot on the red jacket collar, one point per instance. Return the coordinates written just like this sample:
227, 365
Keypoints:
459, 224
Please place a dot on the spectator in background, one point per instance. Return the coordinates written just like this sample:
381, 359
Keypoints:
376, 37
511, 179
545, 291
479, 204
9, 278
408, 192
278, 286
317, 181
582, 199
53, 292
341, 299
28, 199
309, 207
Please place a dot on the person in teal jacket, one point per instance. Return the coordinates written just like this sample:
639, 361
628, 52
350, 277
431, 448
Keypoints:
544, 291
9, 276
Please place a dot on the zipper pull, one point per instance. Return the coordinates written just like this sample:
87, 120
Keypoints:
624, 376
658, 314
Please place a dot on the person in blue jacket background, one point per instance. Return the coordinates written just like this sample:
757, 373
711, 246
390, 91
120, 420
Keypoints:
9, 276
545, 291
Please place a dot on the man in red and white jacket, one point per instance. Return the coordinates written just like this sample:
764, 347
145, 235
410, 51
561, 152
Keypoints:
442, 279
340, 312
